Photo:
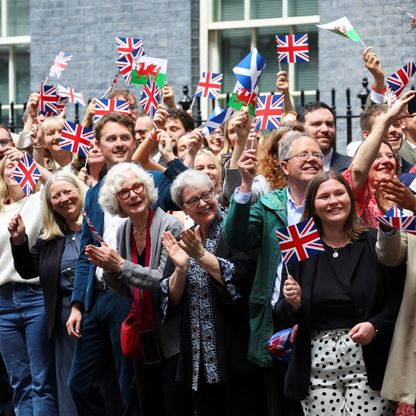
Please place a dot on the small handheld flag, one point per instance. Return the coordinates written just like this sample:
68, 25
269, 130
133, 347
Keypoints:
27, 174
249, 70
150, 98
76, 138
394, 218
269, 112
292, 48
50, 103
398, 81
209, 85
299, 241
148, 67
105, 105
73, 95
129, 46
241, 97
344, 28
59, 64
279, 345
216, 119
94, 232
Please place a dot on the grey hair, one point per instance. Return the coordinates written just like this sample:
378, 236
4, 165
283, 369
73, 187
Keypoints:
190, 178
113, 183
286, 144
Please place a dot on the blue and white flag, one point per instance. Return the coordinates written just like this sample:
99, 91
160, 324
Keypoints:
248, 71
216, 119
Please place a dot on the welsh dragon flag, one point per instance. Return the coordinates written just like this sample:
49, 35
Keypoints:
150, 67
240, 96
342, 27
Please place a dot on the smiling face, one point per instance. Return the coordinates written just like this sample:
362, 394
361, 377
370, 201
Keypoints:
65, 199
384, 166
137, 203
205, 164
302, 171
116, 143
175, 128
332, 203
216, 140
51, 138
95, 155
8, 173
204, 212
320, 125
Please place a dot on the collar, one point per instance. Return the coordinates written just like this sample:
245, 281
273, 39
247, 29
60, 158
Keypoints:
292, 202
327, 159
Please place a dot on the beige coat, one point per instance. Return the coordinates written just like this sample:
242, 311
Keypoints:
400, 376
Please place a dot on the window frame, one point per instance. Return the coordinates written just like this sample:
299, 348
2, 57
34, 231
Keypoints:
209, 53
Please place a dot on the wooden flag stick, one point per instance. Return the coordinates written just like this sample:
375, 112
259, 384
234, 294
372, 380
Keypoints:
26, 198
192, 104
362, 43
113, 83
280, 67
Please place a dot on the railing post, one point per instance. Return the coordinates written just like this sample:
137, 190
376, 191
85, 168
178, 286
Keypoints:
12, 123
333, 105
363, 94
198, 118
349, 117
302, 98
76, 118
318, 96
1, 115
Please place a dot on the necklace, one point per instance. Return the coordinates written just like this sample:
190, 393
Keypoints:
335, 254
139, 232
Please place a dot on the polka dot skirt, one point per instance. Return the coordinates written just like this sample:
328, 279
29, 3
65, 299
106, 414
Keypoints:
339, 383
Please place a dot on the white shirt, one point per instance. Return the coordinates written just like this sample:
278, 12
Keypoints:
327, 160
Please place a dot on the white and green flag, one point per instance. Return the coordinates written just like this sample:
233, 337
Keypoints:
342, 27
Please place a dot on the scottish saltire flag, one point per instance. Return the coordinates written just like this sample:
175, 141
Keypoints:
50, 103
148, 67
299, 241
125, 65
398, 81
93, 230
73, 95
279, 345
26, 174
342, 27
292, 48
129, 46
216, 119
59, 64
249, 70
395, 218
209, 85
241, 97
105, 105
269, 112
76, 138
150, 98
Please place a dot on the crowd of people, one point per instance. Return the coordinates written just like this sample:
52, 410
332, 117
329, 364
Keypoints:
181, 240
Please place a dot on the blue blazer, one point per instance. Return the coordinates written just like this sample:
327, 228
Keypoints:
85, 272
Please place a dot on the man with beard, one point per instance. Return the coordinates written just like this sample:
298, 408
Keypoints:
319, 122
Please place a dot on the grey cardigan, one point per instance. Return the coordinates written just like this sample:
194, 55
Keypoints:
147, 278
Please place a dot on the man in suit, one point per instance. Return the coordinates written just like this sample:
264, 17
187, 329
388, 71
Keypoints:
97, 312
319, 122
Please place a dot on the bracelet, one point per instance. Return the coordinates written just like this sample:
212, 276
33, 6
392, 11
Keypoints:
153, 136
379, 92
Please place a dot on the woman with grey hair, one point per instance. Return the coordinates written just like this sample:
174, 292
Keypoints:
134, 270
207, 285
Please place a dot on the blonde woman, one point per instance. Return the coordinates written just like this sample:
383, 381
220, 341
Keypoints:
53, 258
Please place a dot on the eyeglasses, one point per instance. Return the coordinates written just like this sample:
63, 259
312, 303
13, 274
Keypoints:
302, 156
124, 193
206, 196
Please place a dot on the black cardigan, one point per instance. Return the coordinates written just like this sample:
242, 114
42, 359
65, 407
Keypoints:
43, 260
376, 291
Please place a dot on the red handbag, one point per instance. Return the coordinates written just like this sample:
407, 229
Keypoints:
129, 334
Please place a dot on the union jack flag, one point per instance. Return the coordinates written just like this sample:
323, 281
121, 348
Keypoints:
76, 138
26, 174
59, 64
292, 48
125, 64
106, 105
73, 95
209, 85
129, 46
395, 218
397, 82
150, 98
269, 112
91, 226
50, 103
299, 241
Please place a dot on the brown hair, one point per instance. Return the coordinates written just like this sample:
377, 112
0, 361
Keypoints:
352, 226
125, 121
269, 165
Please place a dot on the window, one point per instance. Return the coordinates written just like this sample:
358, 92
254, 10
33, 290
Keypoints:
231, 28
14, 55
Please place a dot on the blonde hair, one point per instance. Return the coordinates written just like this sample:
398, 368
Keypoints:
54, 122
54, 225
208, 152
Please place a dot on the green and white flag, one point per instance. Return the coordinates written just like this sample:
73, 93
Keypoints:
147, 67
241, 97
342, 27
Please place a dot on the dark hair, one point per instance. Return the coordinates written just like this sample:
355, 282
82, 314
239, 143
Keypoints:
310, 108
186, 120
125, 121
122, 92
352, 227
369, 114
2, 126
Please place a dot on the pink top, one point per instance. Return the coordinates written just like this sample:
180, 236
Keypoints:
365, 205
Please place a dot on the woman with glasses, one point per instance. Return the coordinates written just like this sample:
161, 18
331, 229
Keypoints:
53, 258
208, 284
135, 270
375, 159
